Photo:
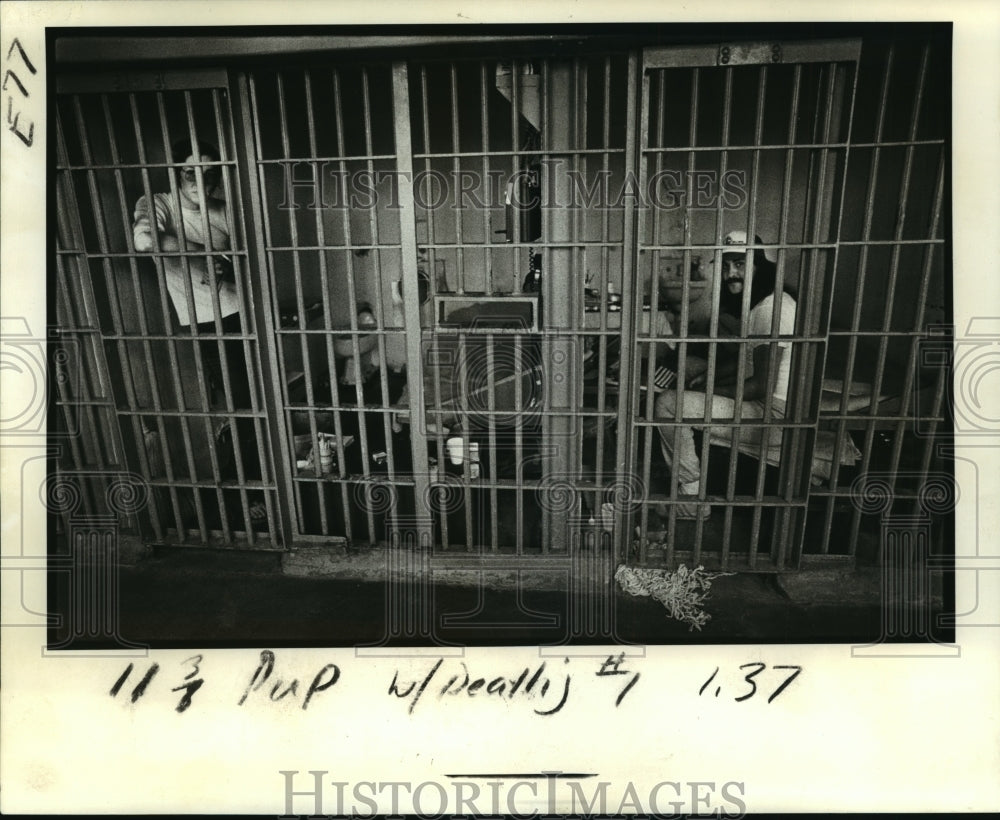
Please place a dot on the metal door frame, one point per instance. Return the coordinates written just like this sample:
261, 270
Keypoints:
216, 79
795, 468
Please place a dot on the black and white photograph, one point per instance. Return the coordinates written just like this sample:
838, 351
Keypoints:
564, 375
492, 331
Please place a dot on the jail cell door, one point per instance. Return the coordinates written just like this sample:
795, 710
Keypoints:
338, 274
152, 278
742, 149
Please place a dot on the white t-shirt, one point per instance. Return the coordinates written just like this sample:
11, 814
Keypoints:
759, 324
165, 221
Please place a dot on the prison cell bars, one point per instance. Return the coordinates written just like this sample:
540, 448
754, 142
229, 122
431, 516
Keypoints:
411, 303
590, 533
121, 345
626, 256
637, 308
456, 147
825, 144
379, 306
515, 144
884, 337
217, 311
631, 301
350, 248
815, 230
209, 254
193, 331
828, 115
773, 364
891, 288
492, 482
559, 298
231, 411
862, 275
170, 345
873, 419
244, 293
72, 243
713, 330
371, 486
127, 341
118, 335
781, 257
603, 282
303, 339
491, 336
492, 475
436, 410
93, 414
83, 330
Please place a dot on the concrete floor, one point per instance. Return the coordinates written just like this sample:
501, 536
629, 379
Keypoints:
177, 598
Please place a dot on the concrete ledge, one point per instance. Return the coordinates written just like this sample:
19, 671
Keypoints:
859, 586
834, 585
590, 572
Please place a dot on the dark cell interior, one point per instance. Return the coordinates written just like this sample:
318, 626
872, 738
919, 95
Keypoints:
465, 286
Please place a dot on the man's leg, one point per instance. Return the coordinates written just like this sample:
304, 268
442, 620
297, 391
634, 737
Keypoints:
677, 442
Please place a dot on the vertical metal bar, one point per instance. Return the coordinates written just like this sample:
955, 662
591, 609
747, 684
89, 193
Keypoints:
237, 245
873, 175
437, 413
493, 474
558, 293
111, 285
893, 272
579, 262
605, 273
515, 145
463, 390
935, 413
331, 365
171, 343
274, 391
300, 307
99, 217
193, 320
66, 400
789, 468
831, 290
352, 296
633, 226
649, 348
217, 314
411, 306
518, 445
456, 147
324, 270
515, 231
127, 380
335, 399
906, 394
70, 235
685, 317
484, 124
429, 212
379, 306
808, 323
